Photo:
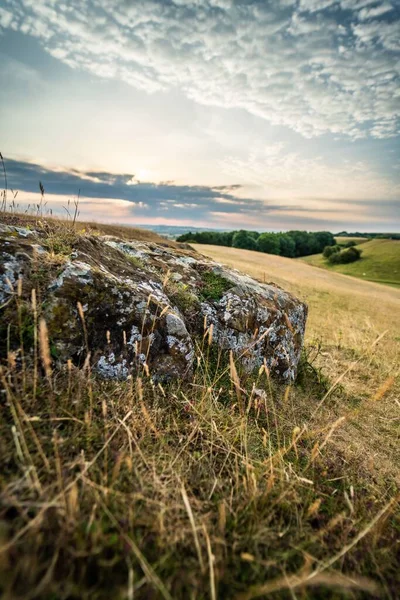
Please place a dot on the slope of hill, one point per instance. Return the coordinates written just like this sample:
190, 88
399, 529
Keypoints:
346, 316
228, 485
121, 231
380, 262
343, 240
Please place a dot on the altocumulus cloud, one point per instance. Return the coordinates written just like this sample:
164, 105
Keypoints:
315, 66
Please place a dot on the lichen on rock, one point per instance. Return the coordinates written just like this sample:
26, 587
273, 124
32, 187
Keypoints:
144, 305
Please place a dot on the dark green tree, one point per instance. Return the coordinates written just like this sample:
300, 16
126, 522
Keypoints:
269, 243
301, 240
243, 240
286, 245
324, 238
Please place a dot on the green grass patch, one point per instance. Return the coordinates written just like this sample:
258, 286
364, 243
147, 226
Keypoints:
181, 296
380, 262
60, 241
135, 261
214, 286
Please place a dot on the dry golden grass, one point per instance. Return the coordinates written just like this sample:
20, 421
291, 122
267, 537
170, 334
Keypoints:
343, 240
121, 231
230, 486
346, 317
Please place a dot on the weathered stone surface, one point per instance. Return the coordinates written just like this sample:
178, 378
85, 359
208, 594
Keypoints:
144, 305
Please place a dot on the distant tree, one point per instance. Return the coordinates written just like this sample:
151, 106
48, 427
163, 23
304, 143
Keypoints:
269, 243
301, 240
287, 245
185, 237
311, 242
243, 240
227, 237
292, 243
314, 245
350, 244
323, 238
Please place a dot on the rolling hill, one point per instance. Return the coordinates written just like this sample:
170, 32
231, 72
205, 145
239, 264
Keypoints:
343, 240
346, 316
229, 481
380, 262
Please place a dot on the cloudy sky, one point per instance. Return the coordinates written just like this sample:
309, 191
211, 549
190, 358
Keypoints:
264, 114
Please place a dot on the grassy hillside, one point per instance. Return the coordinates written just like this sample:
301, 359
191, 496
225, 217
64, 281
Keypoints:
230, 486
121, 231
344, 240
346, 316
380, 262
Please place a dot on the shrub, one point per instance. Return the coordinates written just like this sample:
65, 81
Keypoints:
350, 255
334, 259
345, 256
329, 250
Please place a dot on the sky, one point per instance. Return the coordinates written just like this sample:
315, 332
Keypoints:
256, 114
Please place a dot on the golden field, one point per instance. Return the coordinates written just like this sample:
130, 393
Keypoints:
346, 317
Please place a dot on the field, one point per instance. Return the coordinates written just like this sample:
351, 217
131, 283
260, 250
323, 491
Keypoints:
380, 262
346, 316
344, 240
231, 486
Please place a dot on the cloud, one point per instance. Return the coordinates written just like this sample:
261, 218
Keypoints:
315, 5
277, 172
377, 11
6, 18
109, 197
318, 67
25, 176
378, 33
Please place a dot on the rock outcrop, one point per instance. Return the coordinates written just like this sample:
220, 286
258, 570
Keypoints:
144, 305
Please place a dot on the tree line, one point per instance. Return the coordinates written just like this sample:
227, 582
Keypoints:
379, 236
291, 243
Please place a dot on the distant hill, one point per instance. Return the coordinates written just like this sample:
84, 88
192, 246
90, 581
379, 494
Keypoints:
342, 240
364, 235
380, 262
174, 231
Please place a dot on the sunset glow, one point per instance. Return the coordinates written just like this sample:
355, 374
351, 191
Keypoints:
215, 113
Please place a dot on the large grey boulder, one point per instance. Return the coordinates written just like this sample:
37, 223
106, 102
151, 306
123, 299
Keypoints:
145, 305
